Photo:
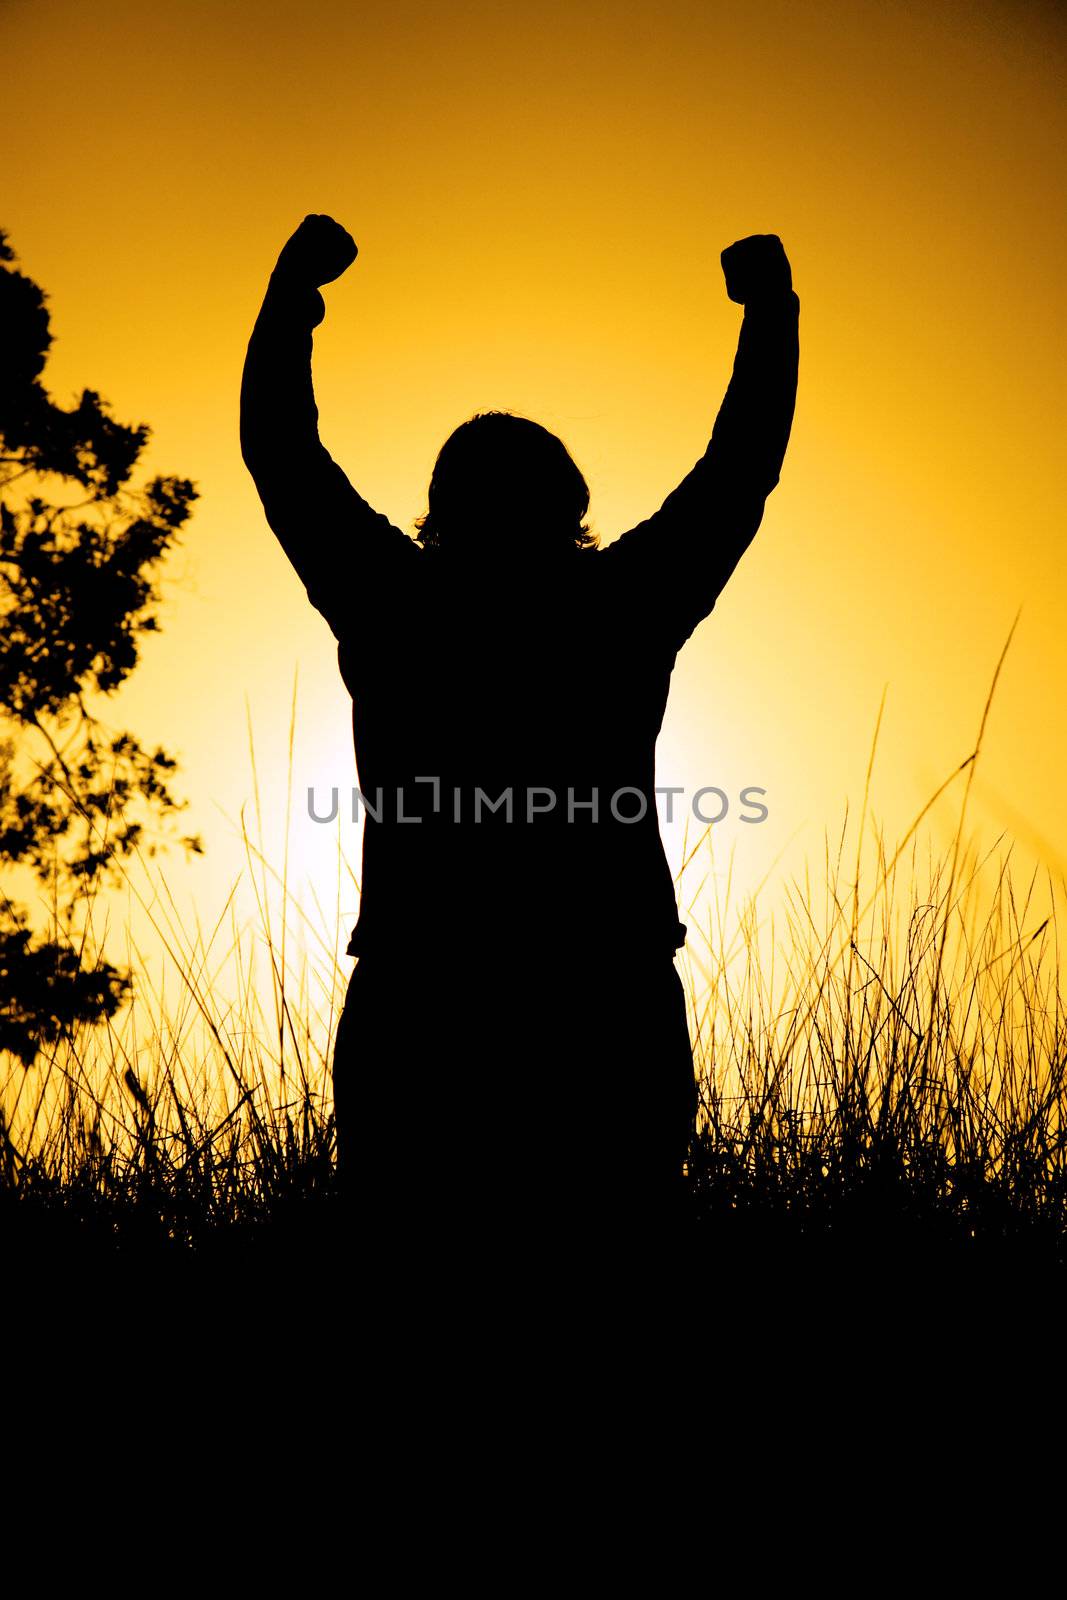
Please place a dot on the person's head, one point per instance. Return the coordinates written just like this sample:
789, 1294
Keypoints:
504, 486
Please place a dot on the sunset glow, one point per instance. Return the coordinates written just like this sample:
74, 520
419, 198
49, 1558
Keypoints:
540, 196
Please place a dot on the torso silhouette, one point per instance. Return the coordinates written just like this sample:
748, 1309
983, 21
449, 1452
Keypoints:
516, 715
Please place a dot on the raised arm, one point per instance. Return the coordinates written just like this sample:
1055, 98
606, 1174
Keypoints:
683, 555
335, 540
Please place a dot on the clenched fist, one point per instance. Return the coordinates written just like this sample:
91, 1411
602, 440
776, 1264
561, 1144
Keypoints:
756, 268
318, 252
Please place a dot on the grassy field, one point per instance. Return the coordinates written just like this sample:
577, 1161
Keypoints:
874, 1074
882, 1063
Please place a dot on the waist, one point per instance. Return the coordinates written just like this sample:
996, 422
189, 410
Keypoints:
521, 882
516, 931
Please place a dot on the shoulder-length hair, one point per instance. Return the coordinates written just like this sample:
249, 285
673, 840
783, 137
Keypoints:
498, 468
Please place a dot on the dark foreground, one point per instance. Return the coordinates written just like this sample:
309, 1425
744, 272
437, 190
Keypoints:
833, 1262
739, 1337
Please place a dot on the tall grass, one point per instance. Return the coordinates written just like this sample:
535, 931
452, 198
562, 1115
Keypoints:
882, 1054
899, 1067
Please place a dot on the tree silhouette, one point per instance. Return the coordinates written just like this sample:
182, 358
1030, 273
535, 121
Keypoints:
79, 549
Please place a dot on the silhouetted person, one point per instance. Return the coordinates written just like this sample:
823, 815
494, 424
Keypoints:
513, 1059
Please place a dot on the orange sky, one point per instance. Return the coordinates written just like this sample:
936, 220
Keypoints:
540, 195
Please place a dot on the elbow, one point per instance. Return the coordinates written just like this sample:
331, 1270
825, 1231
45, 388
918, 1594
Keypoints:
253, 435
260, 461
250, 455
246, 424
254, 410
